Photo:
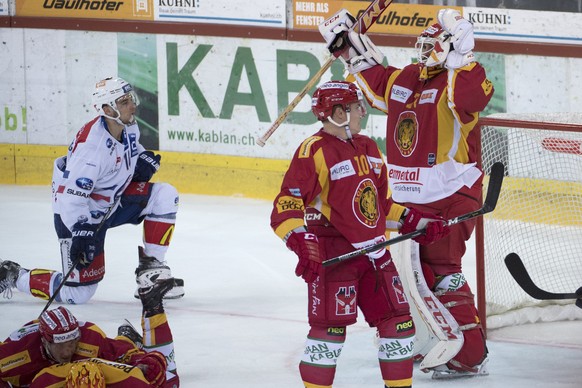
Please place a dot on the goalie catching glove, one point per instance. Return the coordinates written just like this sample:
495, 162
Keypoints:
462, 37
356, 50
435, 226
306, 247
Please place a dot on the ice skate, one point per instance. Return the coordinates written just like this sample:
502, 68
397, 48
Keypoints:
150, 269
127, 330
8, 274
152, 296
442, 372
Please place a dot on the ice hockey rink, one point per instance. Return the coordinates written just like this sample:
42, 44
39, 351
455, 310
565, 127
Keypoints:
243, 321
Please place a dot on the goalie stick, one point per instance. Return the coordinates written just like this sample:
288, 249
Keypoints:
521, 276
363, 24
493, 189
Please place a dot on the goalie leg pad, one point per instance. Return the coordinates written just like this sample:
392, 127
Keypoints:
322, 350
460, 303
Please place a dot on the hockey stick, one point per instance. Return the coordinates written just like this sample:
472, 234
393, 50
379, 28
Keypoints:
521, 276
493, 189
365, 21
74, 264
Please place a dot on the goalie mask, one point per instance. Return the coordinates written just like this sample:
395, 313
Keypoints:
334, 93
109, 92
433, 46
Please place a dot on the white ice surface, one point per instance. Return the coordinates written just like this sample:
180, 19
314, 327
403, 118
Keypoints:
242, 322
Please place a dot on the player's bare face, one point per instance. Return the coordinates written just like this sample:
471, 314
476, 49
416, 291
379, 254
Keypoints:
357, 112
64, 351
126, 106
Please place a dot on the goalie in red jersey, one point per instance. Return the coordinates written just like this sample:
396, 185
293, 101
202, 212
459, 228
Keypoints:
334, 198
58, 350
431, 149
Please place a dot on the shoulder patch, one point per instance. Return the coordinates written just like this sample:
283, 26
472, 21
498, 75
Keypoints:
487, 86
305, 148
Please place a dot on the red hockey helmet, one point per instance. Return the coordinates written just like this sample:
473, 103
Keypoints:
433, 46
333, 93
59, 325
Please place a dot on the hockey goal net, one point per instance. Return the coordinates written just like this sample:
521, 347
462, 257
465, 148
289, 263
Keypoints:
538, 216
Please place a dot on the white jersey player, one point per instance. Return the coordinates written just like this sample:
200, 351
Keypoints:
103, 182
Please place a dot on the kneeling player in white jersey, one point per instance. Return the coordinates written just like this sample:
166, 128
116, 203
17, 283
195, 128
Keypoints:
103, 182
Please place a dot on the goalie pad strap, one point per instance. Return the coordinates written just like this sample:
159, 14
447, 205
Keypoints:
470, 326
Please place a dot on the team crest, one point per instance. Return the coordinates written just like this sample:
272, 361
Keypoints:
365, 204
345, 301
406, 134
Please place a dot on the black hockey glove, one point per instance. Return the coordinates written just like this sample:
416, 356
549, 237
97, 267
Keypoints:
147, 165
84, 244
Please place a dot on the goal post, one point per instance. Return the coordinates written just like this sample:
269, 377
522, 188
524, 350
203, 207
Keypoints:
538, 216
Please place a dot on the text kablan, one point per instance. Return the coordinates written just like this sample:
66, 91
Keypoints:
488, 18
89, 5
178, 3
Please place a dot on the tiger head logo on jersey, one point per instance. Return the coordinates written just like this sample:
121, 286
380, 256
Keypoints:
365, 204
406, 134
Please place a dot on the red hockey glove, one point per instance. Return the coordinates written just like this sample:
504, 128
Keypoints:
153, 365
306, 246
436, 227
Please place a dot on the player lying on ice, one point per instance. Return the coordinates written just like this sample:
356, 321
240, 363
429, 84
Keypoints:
58, 350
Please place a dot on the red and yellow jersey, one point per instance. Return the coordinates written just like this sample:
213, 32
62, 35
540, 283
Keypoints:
345, 181
114, 374
22, 355
431, 148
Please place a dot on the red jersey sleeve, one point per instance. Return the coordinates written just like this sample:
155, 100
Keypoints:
471, 91
94, 343
300, 185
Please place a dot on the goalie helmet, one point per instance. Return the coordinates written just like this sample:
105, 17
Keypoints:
85, 374
334, 93
433, 46
109, 91
58, 325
